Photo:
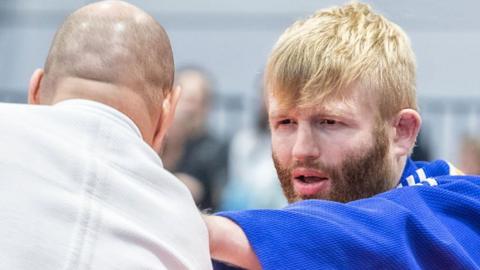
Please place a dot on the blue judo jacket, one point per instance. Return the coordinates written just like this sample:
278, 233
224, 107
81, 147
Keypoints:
431, 221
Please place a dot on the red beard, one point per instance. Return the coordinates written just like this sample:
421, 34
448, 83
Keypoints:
360, 175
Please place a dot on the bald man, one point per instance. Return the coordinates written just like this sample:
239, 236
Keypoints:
81, 185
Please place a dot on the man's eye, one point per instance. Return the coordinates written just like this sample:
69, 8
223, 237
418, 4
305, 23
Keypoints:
328, 122
285, 122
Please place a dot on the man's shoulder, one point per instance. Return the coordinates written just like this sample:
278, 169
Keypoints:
19, 111
17, 116
459, 183
422, 173
460, 177
14, 107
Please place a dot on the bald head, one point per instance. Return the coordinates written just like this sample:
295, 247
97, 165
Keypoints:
116, 54
111, 42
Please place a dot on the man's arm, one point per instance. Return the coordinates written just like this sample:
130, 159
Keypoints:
228, 243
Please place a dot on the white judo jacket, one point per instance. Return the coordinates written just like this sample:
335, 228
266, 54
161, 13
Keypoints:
80, 189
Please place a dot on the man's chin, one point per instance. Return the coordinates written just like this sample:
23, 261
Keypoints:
301, 197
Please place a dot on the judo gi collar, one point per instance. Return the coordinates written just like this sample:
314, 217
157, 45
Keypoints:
424, 173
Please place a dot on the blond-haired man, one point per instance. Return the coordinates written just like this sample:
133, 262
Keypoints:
343, 115
81, 184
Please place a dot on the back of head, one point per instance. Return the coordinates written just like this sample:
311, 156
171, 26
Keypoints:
115, 43
316, 58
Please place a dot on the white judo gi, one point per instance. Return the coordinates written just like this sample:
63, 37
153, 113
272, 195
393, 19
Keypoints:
80, 189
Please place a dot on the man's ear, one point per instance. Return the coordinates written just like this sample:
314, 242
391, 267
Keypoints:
165, 120
406, 125
34, 86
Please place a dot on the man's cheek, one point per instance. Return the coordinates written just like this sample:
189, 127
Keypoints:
337, 158
278, 152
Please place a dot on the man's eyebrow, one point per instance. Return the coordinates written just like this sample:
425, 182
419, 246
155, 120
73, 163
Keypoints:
336, 112
344, 110
278, 114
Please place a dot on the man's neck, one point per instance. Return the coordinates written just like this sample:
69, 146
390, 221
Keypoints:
121, 98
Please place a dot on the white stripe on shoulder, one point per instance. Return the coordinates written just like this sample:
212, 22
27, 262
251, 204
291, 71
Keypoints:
421, 174
411, 180
431, 181
452, 170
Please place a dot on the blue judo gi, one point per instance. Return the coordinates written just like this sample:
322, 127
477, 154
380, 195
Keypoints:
431, 221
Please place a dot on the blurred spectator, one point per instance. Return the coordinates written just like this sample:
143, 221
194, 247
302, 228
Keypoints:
470, 155
252, 179
191, 152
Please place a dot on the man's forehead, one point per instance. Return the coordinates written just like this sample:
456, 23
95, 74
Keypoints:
352, 99
337, 106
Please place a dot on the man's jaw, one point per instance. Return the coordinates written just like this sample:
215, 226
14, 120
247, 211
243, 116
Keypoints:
310, 183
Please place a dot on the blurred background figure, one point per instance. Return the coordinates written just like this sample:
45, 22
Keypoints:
252, 179
469, 161
196, 156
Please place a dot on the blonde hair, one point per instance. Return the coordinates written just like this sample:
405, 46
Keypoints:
320, 57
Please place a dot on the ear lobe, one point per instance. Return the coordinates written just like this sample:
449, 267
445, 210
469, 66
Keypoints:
165, 120
34, 86
407, 125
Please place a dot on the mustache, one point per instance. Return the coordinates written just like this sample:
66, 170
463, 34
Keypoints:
310, 164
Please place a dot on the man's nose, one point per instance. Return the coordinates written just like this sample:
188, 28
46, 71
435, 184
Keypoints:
306, 145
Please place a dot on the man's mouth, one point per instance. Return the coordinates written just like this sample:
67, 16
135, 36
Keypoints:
310, 179
310, 182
